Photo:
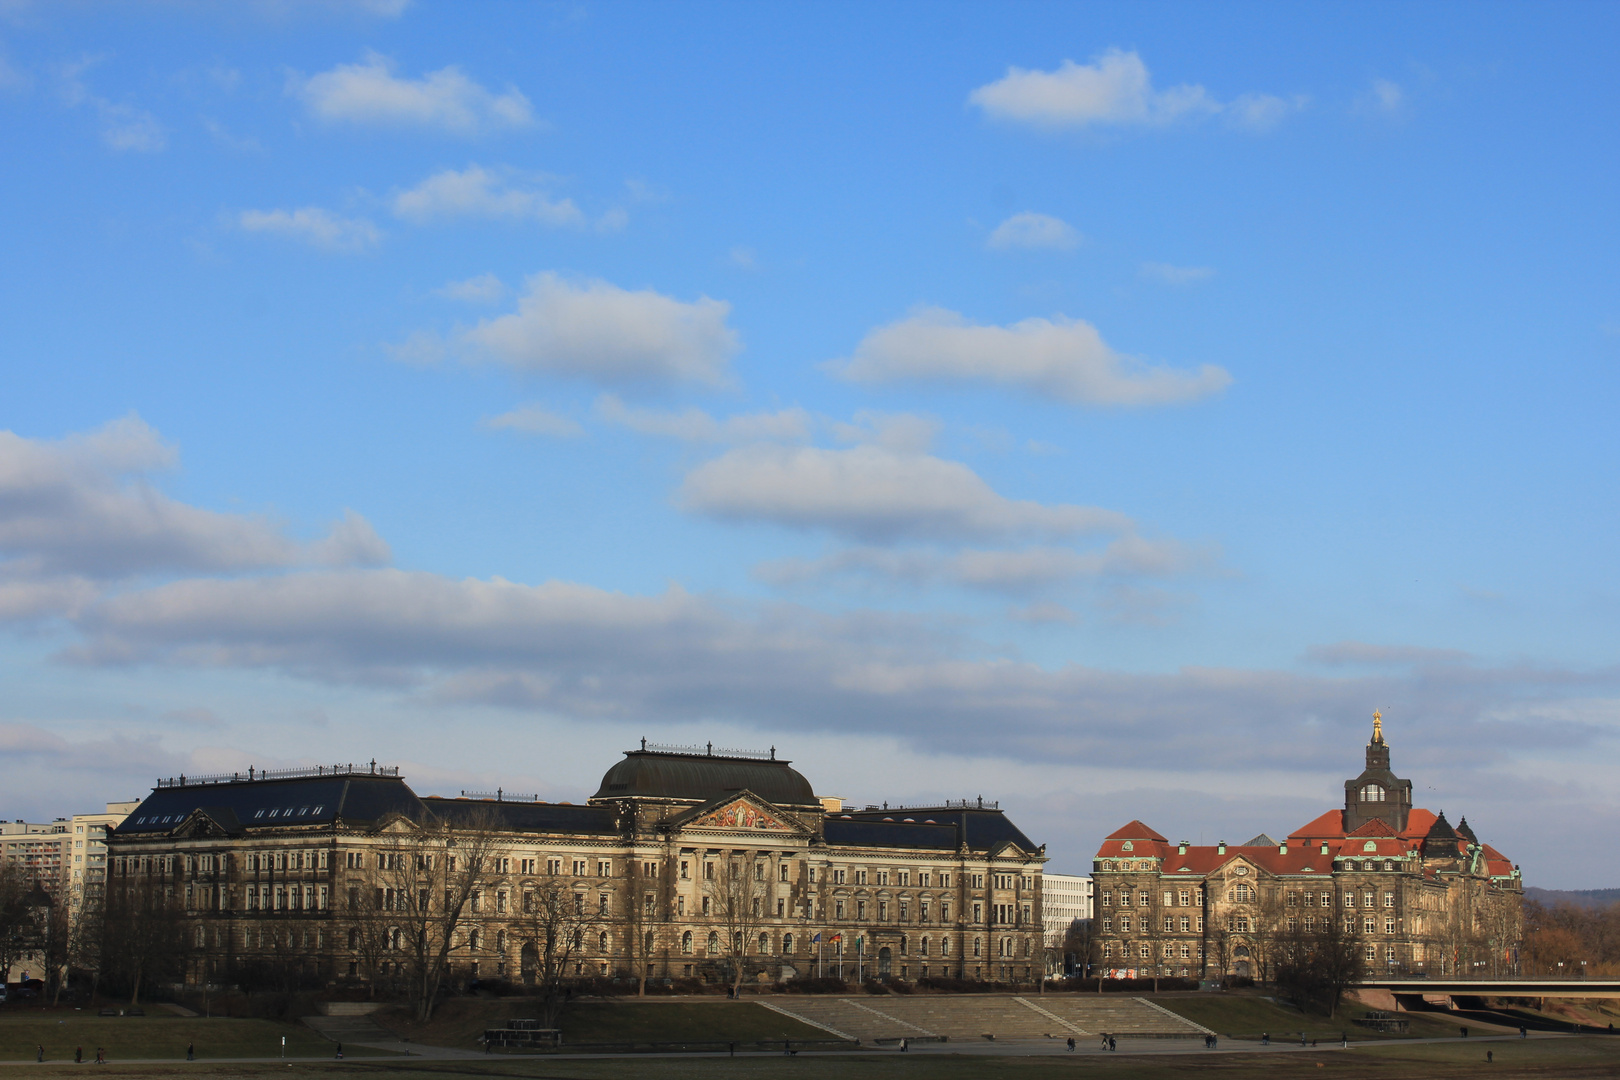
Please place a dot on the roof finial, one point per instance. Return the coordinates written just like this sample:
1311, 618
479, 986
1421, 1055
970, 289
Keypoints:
1378, 727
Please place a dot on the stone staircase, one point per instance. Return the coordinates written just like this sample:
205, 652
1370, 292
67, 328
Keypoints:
978, 1017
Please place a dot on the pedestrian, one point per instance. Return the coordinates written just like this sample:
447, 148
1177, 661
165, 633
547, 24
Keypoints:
1265, 1038
42, 1051
1465, 1033
903, 1047
1105, 1040
78, 1055
1521, 1031
1071, 1044
340, 1051
1112, 1045
191, 1051
101, 1058
1302, 1038
1488, 1058
1344, 1040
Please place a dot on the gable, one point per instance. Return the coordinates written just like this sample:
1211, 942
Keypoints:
741, 812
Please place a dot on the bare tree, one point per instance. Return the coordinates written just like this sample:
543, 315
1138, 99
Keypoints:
17, 922
143, 934
645, 908
737, 894
1316, 966
555, 920
433, 874
1080, 946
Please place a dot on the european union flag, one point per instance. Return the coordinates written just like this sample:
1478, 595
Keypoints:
815, 939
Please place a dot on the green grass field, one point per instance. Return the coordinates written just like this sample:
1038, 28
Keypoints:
1246, 1016
157, 1036
460, 1021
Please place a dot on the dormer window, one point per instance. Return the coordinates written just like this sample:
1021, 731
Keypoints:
1372, 793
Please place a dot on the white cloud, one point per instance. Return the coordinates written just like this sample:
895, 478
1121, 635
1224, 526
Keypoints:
1061, 358
1018, 571
369, 92
82, 508
1176, 275
1043, 614
123, 126
1031, 230
535, 420
483, 289
478, 192
1360, 652
744, 257
1115, 89
696, 426
1388, 95
872, 492
315, 226
598, 331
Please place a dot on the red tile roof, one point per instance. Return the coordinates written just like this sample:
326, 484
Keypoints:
1136, 831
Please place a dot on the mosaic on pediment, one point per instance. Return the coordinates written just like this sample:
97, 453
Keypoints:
741, 814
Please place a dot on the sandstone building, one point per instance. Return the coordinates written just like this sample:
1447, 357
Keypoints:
1421, 895
301, 865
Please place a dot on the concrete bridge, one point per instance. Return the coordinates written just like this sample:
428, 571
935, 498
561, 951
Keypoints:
1412, 992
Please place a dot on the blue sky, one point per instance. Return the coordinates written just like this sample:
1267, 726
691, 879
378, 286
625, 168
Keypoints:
1103, 408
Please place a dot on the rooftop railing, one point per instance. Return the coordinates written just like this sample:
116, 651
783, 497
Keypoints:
707, 750
254, 774
500, 795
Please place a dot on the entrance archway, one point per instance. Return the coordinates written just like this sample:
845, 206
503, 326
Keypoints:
529, 962
883, 962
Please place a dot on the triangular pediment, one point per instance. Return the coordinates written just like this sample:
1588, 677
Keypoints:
741, 811
208, 821
1008, 849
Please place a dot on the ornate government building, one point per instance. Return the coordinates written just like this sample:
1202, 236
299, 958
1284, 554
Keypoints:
1421, 895
298, 864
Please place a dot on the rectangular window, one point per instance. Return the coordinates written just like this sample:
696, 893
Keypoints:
579, 867
1169, 898
883, 911
944, 911
500, 902
922, 909
1124, 924
1108, 950
905, 908
782, 871
883, 877
1389, 899
944, 881
554, 866
1389, 925
905, 878
1107, 899
1349, 899
860, 877
604, 868
838, 910
922, 879
978, 913
1108, 926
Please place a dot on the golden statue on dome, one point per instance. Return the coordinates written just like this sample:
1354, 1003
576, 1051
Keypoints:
1378, 727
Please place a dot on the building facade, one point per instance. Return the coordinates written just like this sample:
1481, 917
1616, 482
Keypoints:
1420, 895
37, 851
265, 866
1065, 900
86, 866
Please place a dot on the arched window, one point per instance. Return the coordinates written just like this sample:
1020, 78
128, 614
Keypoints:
686, 943
787, 944
354, 937
472, 939
1372, 793
765, 944
978, 947
923, 948
903, 943
500, 941
737, 942
714, 942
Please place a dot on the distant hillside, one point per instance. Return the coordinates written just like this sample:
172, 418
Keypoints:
1587, 898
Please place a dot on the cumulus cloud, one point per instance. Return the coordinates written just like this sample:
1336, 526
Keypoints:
597, 331
314, 226
1167, 274
697, 426
873, 492
535, 420
483, 289
1061, 358
82, 509
479, 192
1031, 230
1114, 90
369, 92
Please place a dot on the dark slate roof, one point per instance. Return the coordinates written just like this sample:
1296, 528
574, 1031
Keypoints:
274, 803
701, 777
862, 832
982, 829
528, 817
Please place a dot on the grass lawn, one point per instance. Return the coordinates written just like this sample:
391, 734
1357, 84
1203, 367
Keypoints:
460, 1021
1543, 1059
1246, 1016
156, 1036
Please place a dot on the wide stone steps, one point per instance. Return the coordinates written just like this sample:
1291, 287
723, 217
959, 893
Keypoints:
976, 1017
